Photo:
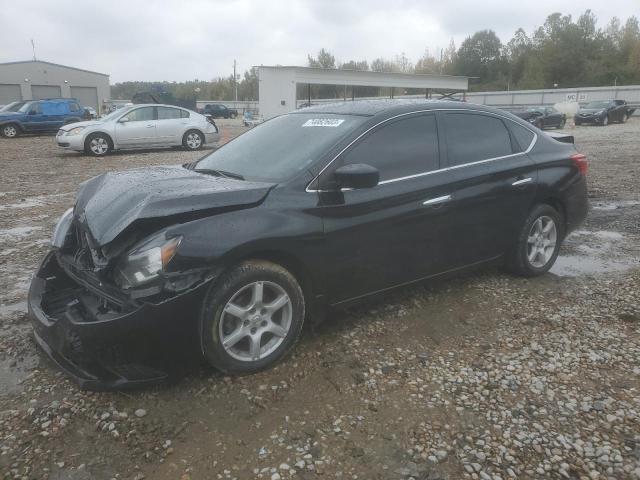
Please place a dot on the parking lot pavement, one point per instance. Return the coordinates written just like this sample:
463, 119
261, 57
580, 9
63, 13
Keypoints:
483, 375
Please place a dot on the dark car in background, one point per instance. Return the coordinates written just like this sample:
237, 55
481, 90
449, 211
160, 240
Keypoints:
41, 116
543, 117
219, 111
603, 112
228, 256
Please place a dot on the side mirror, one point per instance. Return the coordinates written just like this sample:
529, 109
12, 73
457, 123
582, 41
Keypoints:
358, 175
32, 112
124, 119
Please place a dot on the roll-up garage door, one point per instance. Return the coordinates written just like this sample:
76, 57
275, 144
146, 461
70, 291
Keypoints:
39, 92
9, 93
87, 96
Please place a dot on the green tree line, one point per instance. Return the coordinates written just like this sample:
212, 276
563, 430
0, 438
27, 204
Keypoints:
563, 52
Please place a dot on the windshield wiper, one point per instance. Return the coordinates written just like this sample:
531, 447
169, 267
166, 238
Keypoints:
219, 173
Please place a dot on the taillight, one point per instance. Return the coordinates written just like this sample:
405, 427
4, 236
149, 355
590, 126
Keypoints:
580, 161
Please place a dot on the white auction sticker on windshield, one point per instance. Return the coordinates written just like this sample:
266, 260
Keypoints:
323, 122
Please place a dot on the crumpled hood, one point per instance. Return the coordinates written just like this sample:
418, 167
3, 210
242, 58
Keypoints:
109, 203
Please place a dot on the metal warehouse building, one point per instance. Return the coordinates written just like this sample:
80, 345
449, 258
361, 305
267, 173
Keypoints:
35, 79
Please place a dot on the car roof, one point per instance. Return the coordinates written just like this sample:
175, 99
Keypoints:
387, 106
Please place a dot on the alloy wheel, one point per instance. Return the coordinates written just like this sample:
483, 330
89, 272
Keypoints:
541, 242
10, 131
99, 146
194, 141
255, 321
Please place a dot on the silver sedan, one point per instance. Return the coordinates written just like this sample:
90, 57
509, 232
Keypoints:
139, 126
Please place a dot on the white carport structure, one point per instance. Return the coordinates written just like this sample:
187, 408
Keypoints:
277, 85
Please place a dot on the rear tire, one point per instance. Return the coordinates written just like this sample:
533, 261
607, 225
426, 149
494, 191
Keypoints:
98, 144
193, 140
10, 130
538, 242
251, 318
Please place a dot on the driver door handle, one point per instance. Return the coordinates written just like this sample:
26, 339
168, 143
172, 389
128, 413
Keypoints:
437, 200
150, 126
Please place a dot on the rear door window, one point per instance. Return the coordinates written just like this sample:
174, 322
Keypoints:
399, 148
168, 113
474, 137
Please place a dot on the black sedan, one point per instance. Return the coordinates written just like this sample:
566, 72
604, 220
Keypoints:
603, 112
228, 257
543, 117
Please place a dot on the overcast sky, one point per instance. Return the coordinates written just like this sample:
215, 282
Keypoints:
189, 39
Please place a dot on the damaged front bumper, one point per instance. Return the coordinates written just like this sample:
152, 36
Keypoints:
106, 340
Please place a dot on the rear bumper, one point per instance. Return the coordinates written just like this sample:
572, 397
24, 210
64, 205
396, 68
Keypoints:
103, 347
576, 204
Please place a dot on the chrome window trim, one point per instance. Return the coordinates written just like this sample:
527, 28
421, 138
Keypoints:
408, 177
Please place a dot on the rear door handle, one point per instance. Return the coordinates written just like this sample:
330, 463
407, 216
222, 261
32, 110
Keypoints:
437, 200
522, 181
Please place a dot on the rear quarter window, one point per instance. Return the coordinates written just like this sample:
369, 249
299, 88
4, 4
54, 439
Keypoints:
474, 137
523, 136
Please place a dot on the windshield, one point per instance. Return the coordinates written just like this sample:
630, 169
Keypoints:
26, 107
282, 147
599, 104
114, 114
12, 107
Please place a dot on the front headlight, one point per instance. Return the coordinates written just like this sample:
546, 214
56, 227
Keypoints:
75, 131
62, 227
146, 261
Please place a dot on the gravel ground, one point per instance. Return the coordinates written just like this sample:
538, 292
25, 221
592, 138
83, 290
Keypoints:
482, 376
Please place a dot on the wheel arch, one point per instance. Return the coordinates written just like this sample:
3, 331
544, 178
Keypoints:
557, 204
288, 261
17, 123
101, 132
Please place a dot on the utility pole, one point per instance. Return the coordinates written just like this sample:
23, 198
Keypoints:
235, 80
33, 47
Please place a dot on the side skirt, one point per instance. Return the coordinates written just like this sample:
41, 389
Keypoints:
412, 282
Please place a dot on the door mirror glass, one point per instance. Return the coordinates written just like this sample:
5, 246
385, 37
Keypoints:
357, 175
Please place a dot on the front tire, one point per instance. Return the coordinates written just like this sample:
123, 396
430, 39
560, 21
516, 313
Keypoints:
10, 130
193, 140
251, 318
538, 242
98, 144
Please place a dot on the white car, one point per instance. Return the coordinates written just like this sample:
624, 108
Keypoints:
135, 126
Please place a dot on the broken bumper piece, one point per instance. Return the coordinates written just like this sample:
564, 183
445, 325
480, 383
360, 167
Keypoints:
106, 342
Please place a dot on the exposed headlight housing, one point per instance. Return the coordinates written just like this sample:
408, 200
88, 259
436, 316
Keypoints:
75, 131
62, 228
146, 261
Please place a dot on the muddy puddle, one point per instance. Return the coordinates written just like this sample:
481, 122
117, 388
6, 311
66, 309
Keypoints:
587, 252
